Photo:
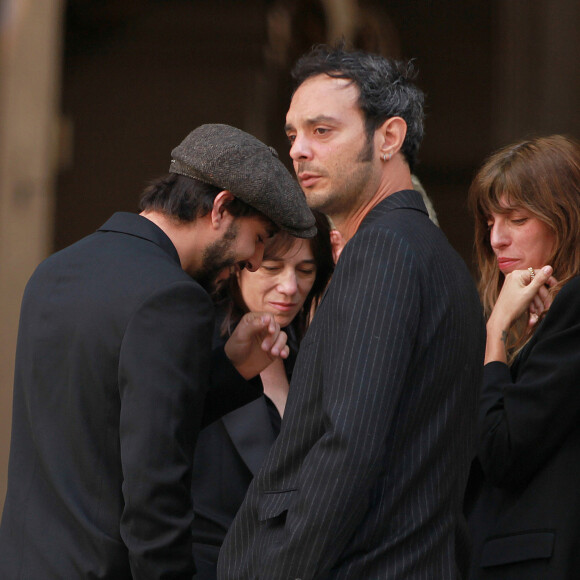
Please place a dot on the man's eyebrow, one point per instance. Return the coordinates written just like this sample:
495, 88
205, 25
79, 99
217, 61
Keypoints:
313, 121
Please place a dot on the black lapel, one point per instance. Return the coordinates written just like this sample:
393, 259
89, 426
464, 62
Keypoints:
251, 432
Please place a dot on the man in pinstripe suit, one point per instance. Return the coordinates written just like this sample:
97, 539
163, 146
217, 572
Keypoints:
365, 481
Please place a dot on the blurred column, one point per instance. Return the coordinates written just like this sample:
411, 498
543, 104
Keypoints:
537, 83
30, 56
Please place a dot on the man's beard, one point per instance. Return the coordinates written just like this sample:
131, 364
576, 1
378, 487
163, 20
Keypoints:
216, 258
367, 153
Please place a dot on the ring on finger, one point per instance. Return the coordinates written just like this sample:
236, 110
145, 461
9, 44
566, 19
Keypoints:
532, 273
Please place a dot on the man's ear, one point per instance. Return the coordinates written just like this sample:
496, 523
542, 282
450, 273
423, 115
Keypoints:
392, 134
219, 213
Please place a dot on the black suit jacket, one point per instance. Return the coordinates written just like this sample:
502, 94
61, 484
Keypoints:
228, 454
112, 368
367, 475
525, 521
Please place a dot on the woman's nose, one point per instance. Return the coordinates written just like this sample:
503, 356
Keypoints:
287, 283
498, 236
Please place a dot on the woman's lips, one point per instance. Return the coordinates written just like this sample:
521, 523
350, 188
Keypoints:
283, 306
506, 263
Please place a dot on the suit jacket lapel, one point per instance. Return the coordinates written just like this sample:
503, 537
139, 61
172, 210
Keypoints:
251, 432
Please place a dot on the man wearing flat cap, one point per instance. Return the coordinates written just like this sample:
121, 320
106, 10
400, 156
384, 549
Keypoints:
113, 366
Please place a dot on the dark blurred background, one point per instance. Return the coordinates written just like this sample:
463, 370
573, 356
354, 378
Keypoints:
139, 75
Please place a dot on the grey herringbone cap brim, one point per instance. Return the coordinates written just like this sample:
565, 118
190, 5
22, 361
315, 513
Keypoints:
235, 160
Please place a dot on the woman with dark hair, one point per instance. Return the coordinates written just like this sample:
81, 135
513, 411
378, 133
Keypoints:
289, 284
523, 499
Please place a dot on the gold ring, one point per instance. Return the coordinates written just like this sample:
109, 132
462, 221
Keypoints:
532, 273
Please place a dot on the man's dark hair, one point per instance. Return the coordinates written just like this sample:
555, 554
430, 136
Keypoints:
385, 86
187, 199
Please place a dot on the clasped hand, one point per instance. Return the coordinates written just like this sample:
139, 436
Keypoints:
256, 341
521, 292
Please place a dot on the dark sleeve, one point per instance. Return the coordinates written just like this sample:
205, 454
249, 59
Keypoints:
373, 304
163, 376
524, 419
228, 389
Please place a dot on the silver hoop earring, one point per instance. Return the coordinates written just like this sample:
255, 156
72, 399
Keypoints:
384, 157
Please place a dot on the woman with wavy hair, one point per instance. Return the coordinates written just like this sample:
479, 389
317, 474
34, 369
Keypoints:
523, 497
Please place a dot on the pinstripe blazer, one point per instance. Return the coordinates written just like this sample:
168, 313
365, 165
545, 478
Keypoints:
366, 478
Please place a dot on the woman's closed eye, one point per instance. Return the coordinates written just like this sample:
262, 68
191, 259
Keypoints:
271, 266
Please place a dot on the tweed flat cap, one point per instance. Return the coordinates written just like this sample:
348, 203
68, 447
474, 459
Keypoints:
232, 159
